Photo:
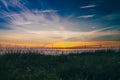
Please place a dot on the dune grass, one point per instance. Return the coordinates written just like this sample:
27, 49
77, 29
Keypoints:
99, 65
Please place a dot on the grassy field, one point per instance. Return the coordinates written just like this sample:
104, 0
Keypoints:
100, 65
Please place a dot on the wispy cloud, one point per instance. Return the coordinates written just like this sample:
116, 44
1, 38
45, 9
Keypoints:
5, 3
38, 25
86, 16
102, 29
88, 6
46, 11
14, 3
91, 35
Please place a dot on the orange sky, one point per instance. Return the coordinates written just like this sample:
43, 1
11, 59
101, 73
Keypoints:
68, 44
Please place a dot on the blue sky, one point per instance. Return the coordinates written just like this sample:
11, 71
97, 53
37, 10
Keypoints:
43, 21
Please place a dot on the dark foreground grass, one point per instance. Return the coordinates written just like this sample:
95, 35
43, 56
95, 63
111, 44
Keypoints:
100, 65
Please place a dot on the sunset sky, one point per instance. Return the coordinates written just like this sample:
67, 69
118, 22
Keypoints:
63, 23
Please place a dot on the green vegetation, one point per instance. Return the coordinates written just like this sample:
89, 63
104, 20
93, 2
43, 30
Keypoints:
99, 65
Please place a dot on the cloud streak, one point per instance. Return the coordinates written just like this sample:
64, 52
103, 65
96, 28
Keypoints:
45, 11
87, 6
5, 3
18, 4
86, 16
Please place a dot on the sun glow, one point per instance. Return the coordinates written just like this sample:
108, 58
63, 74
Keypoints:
64, 44
68, 44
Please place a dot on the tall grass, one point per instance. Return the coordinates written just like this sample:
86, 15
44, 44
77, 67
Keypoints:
98, 65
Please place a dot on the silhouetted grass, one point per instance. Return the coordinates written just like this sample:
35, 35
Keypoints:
98, 65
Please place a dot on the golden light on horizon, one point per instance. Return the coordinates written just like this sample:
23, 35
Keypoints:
89, 43
68, 44
64, 44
